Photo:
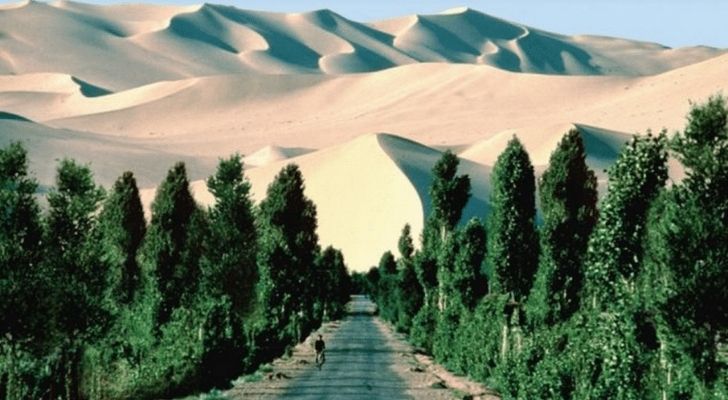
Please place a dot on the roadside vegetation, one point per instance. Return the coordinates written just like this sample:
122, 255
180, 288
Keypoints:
99, 304
621, 299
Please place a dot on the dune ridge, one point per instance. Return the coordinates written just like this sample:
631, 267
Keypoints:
142, 44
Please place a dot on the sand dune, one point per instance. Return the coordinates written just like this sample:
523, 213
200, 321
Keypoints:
365, 191
139, 87
133, 45
436, 104
108, 157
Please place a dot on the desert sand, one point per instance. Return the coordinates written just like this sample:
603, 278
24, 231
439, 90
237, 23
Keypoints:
364, 109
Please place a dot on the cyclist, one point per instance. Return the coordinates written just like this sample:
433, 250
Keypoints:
320, 346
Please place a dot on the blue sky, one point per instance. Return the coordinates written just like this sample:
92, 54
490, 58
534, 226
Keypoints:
670, 22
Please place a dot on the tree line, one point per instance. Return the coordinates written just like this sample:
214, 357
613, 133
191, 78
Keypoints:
99, 304
619, 299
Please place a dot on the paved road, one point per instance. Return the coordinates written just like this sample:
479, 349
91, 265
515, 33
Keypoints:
358, 362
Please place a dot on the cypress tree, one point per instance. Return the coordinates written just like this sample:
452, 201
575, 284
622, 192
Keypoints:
73, 264
23, 314
287, 253
568, 193
512, 244
172, 247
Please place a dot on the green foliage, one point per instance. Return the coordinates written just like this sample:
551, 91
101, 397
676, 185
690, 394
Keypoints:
479, 347
172, 247
405, 244
387, 287
512, 243
288, 248
612, 354
120, 231
615, 249
24, 314
333, 284
20, 247
72, 264
423, 325
425, 260
568, 194
685, 277
449, 192
409, 294
229, 264
111, 327
468, 281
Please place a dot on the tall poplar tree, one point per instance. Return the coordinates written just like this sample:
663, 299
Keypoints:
409, 291
24, 315
287, 253
686, 278
229, 264
512, 241
172, 248
616, 247
568, 193
121, 229
612, 351
73, 265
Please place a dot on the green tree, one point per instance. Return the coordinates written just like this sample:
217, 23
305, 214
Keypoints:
568, 194
170, 254
512, 241
409, 296
23, 314
332, 283
615, 248
288, 248
387, 289
685, 277
229, 274
616, 341
229, 264
73, 263
468, 282
405, 245
449, 192
121, 229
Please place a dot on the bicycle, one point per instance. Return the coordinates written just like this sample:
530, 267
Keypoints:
320, 359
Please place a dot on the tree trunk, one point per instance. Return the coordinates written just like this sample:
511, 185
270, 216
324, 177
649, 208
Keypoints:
504, 341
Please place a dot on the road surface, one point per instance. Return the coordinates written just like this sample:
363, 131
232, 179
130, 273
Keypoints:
359, 361
364, 360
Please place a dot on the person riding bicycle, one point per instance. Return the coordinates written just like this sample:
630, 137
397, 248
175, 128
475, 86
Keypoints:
319, 346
